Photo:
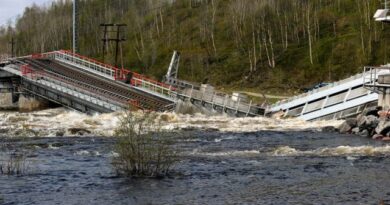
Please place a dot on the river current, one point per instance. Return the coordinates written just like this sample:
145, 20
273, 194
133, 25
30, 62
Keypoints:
223, 161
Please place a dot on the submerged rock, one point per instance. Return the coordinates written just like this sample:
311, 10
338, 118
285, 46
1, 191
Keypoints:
60, 133
79, 131
329, 129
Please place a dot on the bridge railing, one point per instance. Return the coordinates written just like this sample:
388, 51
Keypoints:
82, 62
371, 75
225, 101
111, 72
331, 85
95, 92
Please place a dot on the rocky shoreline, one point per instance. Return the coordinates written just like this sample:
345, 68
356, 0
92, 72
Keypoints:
374, 123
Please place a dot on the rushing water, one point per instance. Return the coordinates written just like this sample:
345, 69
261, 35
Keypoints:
224, 161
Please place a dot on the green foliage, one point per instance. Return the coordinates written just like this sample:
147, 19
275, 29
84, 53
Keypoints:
143, 149
283, 44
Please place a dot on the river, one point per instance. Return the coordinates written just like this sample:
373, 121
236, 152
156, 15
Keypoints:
224, 161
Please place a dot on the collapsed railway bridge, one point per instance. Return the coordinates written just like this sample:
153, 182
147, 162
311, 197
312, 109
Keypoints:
88, 86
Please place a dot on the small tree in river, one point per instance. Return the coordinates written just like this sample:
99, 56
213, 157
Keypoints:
144, 150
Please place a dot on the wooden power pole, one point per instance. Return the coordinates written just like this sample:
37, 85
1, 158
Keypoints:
112, 33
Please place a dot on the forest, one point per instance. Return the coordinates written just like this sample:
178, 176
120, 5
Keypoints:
281, 45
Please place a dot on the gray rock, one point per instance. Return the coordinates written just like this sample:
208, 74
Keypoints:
345, 128
371, 121
383, 127
361, 120
329, 129
348, 125
355, 130
351, 122
364, 133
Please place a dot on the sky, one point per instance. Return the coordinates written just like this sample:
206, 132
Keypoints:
10, 9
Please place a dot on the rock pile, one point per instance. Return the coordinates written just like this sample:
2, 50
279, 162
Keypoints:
371, 123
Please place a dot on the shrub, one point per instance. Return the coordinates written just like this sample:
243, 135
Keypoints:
15, 164
144, 150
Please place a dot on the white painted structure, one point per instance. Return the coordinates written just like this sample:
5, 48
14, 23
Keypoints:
381, 15
339, 100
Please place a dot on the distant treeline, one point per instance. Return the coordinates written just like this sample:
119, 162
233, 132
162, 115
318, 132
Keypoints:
285, 44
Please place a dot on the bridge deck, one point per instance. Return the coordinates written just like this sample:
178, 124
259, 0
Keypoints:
339, 100
113, 89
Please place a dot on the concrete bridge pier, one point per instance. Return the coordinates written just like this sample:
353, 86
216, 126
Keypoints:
11, 97
8, 91
384, 99
383, 90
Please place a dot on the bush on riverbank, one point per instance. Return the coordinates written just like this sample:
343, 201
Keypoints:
144, 149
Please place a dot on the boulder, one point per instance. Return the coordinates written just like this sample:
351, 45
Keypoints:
377, 137
348, 125
383, 127
372, 121
355, 130
329, 129
361, 120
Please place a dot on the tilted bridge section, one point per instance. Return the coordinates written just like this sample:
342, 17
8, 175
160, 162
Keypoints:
339, 100
86, 85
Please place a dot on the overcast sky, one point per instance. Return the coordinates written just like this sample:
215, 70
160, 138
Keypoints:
10, 9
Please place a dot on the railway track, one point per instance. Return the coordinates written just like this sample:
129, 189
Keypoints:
91, 82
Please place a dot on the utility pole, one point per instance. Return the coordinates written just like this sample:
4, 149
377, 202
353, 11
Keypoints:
104, 41
75, 26
109, 37
117, 40
12, 43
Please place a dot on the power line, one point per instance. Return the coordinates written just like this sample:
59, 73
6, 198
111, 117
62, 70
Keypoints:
75, 26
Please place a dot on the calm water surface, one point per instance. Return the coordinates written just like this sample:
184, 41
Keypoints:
217, 168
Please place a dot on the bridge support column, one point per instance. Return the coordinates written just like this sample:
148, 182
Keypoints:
6, 101
384, 99
29, 103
